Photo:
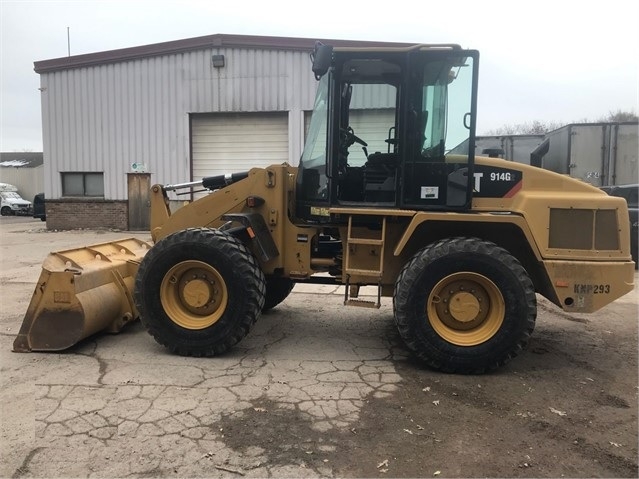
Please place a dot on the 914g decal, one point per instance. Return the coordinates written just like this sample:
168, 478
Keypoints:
491, 182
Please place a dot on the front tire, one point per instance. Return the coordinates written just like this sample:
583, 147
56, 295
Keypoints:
5, 211
464, 305
199, 291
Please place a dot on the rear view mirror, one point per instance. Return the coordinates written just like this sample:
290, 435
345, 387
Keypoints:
321, 57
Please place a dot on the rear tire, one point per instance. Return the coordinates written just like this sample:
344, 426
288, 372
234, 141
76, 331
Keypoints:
464, 305
199, 291
277, 290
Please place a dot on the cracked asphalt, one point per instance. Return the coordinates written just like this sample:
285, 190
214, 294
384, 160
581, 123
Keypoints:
315, 390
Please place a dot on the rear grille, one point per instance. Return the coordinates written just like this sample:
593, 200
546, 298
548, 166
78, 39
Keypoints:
606, 230
583, 229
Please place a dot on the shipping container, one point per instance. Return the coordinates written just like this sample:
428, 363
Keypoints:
601, 154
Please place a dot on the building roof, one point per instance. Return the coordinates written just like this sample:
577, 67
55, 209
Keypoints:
199, 43
23, 159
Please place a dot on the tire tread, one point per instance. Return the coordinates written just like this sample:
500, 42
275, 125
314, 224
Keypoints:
244, 263
412, 270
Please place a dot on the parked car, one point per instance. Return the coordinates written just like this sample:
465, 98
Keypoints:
631, 195
38, 207
11, 203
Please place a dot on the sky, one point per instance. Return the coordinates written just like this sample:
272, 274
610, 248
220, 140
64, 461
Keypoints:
555, 61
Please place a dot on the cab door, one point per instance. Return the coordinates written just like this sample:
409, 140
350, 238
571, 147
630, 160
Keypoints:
365, 155
440, 129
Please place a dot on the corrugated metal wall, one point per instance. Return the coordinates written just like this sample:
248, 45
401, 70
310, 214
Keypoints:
107, 117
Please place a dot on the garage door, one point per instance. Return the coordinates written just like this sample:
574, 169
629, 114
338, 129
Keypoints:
372, 126
229, 143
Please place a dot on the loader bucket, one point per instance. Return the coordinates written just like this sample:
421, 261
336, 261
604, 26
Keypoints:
81, 292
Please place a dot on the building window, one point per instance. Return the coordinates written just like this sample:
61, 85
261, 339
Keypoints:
82, 184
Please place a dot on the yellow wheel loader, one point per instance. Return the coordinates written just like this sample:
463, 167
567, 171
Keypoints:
388, 193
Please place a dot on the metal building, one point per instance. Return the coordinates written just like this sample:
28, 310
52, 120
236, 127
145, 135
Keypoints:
23, 170
116, 122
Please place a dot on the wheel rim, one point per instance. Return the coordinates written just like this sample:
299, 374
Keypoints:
466, 309
193, 294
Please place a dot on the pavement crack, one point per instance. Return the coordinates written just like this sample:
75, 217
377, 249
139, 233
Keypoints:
277, 335
23, 470
102, 364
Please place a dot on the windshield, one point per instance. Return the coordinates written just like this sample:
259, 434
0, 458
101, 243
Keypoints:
313, 163
314, 152
11, 195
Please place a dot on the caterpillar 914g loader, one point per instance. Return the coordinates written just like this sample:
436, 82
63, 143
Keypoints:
461, 244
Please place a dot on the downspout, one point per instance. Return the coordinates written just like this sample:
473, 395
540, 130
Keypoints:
570, 165
613, 167
604, 145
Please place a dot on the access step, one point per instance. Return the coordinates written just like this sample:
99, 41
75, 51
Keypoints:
353, 289
362, 304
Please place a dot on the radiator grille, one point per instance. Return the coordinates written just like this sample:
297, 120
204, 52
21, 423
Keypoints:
606, 230
583, 229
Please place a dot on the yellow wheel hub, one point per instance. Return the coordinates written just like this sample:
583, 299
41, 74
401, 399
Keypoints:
466, 309
193, 294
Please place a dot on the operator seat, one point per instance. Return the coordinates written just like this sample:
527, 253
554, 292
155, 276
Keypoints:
380, 177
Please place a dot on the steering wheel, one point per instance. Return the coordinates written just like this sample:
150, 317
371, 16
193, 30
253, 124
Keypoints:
348, 137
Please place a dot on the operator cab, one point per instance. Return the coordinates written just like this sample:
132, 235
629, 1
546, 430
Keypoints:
383, 126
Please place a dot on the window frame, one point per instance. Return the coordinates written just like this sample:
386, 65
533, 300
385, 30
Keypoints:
84, 174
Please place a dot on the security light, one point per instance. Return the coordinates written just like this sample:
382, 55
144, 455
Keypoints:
218, 61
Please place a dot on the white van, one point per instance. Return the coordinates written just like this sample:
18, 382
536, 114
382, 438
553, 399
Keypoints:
11, 201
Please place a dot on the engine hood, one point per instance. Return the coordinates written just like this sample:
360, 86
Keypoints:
513, 177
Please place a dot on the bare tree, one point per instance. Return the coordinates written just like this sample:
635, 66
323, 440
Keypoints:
536, 127
539, 127
619, 116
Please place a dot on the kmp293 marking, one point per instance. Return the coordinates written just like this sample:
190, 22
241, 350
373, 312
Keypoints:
592, 289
